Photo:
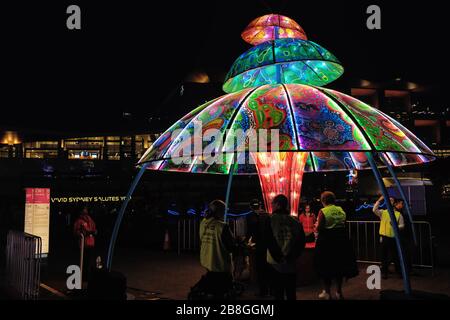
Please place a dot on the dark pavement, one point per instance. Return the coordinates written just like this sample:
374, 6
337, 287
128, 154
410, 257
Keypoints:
155, 275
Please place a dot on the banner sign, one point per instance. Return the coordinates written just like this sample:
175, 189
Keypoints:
37, 214
87, 199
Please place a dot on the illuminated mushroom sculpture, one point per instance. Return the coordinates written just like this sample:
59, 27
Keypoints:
276, 85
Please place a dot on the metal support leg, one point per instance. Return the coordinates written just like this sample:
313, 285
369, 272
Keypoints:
120, 215
402, 194
230, 180
377, 174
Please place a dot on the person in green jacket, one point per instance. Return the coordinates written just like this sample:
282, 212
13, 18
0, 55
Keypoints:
334, 258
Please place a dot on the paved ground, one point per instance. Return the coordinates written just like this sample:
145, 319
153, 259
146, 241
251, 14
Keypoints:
165, 275
171, 276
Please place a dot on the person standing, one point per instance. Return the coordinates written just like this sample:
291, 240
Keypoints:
285, 242
216, 246
256, 223
334, 258
85, 225
387, 236
308, 221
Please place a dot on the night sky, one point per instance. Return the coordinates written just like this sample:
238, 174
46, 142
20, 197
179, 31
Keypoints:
130, 55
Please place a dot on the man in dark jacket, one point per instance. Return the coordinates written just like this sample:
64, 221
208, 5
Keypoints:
285, 243
256, 223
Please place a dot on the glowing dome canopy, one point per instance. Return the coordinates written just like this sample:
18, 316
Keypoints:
334, 129
283, 61
271, 27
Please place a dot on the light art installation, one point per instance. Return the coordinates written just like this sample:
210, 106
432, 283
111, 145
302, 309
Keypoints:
276, 85
283, 61
285, 179
270, 27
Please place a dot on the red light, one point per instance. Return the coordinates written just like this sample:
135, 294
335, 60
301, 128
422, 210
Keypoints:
281, 173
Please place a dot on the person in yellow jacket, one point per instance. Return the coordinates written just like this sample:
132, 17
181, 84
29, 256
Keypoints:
216, 246
387, 237
334, 258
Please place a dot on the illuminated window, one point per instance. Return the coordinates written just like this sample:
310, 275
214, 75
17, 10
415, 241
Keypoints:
113, 148
141, 144
41, 149
4, 151
84, 148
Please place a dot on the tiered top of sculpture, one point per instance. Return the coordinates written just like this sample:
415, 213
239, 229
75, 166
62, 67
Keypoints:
282, 54
276, 85
271, 27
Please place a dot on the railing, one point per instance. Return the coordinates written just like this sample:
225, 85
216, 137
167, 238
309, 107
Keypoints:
188, 232
81, 256
364, 235
366, 241
23, 264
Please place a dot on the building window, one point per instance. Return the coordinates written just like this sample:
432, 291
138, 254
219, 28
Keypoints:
41, 149
84, 148
4, 151
113, 148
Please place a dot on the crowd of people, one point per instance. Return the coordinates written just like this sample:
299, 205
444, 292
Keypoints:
279, 240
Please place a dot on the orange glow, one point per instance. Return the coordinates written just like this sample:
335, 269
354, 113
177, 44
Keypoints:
281, 173
198, 77
11, 138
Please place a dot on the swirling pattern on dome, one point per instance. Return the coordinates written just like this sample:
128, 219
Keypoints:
335, 129
283, 61
276, 85
271, 27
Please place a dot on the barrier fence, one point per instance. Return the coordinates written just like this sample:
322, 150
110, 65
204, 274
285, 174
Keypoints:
364, 235
366, 243
23, 264
188, 232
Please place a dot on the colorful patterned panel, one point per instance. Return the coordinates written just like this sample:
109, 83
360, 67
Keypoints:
217, 163
162, 144
286, 61
265, 108
293, 50
205, 133
270, 27
324, 72
382, 132
332, 161
326, 55
281, 50
252, 78
401, 159
360, 160
255, 57
177, 164
422, 146
321, 124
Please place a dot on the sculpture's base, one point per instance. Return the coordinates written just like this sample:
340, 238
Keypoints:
281, 173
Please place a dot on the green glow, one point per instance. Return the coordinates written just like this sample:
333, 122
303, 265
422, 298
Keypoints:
283, 61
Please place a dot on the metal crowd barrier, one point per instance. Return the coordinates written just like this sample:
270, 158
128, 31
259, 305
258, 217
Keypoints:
23, 264
364, 235
188, 232
366, 242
